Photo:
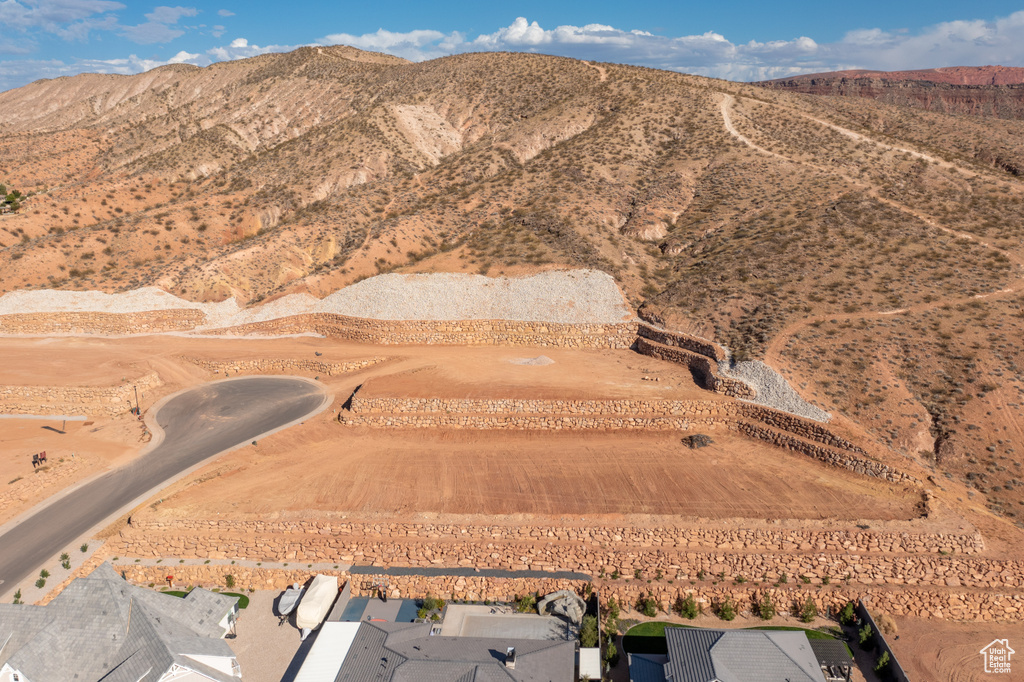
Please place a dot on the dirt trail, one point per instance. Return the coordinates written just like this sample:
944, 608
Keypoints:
774, 349
600, 70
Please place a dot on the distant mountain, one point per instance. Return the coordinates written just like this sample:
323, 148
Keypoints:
996, 91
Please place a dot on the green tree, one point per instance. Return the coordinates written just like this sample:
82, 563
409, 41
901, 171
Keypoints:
864, 636
588, 632
727, 610
882, 662
766, 607
846, 615
613, 608
611, 654
650, 607
688, 607
17, 597
809, 611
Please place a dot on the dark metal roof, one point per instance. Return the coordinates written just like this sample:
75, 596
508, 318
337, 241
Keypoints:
647, 667
831, 652
689, 655
699, 655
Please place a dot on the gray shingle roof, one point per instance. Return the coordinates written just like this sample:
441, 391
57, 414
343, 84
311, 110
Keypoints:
699, 655
403, 652
102, 628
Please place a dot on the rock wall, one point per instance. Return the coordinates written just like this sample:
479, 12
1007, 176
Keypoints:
772, 426
282, 366
73, 400
754, 536
459, 332
693, 344
704, 369
101, 324
945, 604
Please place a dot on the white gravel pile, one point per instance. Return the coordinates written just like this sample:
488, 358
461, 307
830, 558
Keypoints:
574, 296
540, 360
772, 389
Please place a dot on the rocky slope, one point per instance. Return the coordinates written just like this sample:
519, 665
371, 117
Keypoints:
996, 91
870, 252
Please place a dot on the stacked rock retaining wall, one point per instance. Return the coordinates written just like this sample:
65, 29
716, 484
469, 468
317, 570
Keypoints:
101, 324
704, 369
749, 535
282, 365
73, 400
772, 426
946, 604
456, 332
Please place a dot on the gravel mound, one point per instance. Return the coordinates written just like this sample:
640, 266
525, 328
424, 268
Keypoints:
573, 296
539, 360
772, 389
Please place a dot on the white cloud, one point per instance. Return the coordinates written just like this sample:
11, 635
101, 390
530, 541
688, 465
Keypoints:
225, 13
713, 54
966, 42
239, 48
161, 27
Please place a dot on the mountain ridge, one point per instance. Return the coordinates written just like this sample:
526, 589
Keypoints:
845, 240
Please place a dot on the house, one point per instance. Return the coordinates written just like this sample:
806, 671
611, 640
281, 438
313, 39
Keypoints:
407, 652
700, 655
102, 628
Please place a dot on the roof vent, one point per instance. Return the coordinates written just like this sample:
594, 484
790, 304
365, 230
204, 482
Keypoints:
510, 658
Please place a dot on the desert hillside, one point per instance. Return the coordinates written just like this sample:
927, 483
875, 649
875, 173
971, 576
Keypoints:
872, 253
995, 91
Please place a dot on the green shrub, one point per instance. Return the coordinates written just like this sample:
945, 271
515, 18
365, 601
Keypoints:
650, 607
588, 632
44, 573
611, 654
84, 548
846, 615
809, 611
727, 610
526, 604
17, 597
882, 662
229, 581
865, 637
41, 583
766, 607
688, 607
430, 602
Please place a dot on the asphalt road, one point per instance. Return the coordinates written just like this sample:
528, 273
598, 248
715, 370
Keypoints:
197, 425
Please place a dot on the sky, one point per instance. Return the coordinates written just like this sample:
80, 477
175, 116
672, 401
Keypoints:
738, 40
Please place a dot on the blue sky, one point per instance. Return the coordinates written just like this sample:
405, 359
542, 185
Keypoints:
746, 40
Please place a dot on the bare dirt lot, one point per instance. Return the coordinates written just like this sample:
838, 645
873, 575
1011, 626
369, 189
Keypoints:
939, 650
328, 467
325, 466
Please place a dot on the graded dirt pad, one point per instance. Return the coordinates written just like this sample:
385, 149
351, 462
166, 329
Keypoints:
940, 650
74, 450
323, 466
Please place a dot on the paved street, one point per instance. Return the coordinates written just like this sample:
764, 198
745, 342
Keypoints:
197, 425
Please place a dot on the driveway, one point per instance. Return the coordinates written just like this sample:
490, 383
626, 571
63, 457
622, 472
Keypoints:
197, 424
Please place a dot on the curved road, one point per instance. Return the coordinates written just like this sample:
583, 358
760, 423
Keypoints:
197, 424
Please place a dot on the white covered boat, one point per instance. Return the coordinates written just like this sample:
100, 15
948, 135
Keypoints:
316, 603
